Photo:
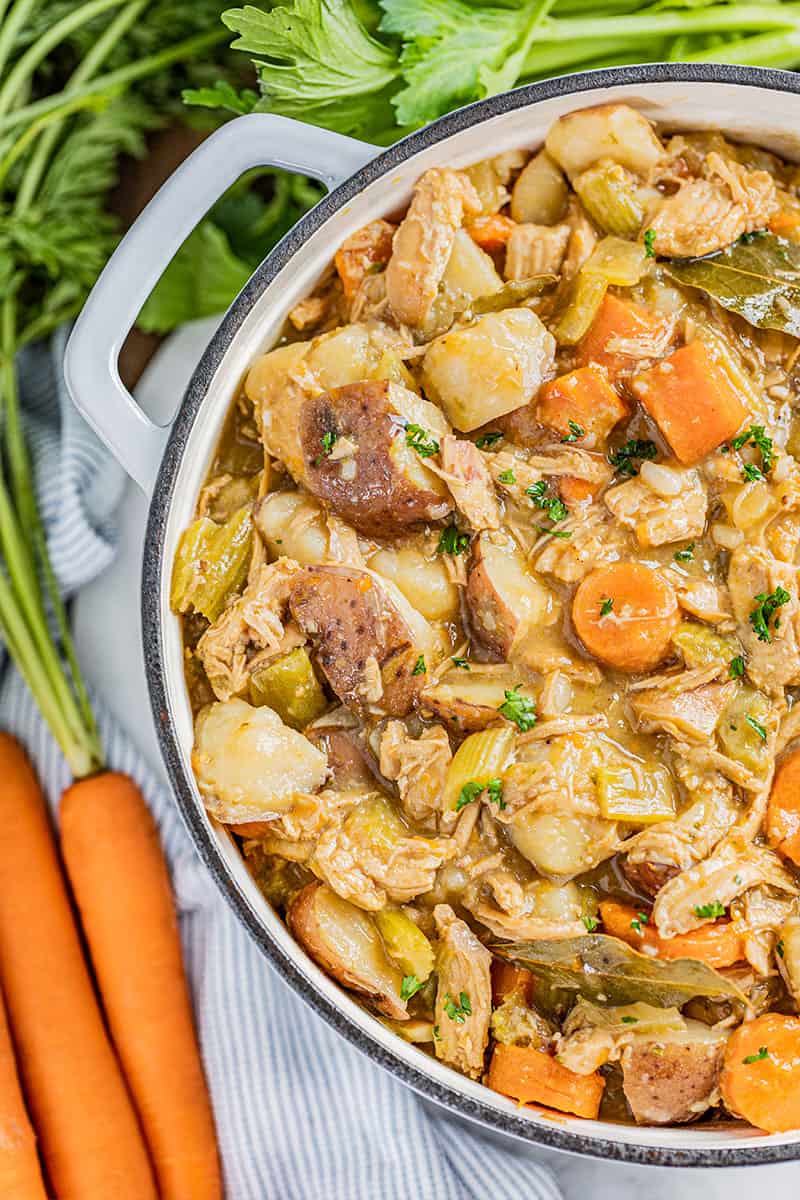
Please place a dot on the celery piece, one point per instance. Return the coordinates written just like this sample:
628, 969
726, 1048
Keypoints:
610, 195
289, 687
405, 943
617, 261
701, 647
739, 729
481, 757
211, 563
635, 793
577, 317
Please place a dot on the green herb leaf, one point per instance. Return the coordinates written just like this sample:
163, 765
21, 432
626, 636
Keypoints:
629, 1020
327, 441
452, 542
590, 923
575, 431
638, 921
625, 459
713, 910
419, 666
649, 243
757, 279
519, 709
507, 476
420, 439
736, 667
763, 1053
488, 439
606, 605
757, 726
757, 436
685, 555
766, 606
221, 95
409, 986
460, 662
469, 794
457, 1010
494, 790
201, 280
780, 948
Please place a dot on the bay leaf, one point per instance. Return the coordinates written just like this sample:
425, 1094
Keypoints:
757, 277
604, 968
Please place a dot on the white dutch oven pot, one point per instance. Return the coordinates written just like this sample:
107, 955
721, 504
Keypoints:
170, 464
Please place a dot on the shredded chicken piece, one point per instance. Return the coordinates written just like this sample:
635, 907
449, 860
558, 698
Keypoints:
463, 994
509, 909
424, 241
582, 241
596, 539
294, 834
775, 664
706, 214
254, 622
363, 254
557, 775
419, 765
759, 916
657, 520
536, 250
309, 313
465, 472
689, 714
735, 866
580, 464
701, 598
692, 836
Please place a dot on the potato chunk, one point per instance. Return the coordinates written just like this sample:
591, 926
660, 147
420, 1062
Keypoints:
249, 765
489, 368
675, 1078
359, 459
344, 941
613, 131
504, 599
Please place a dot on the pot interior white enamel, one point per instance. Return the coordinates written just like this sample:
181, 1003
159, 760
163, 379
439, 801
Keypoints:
763, 109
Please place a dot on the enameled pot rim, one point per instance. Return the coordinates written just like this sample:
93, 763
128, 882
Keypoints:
550, 1134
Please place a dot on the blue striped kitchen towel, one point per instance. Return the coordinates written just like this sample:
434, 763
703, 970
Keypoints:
301, 1115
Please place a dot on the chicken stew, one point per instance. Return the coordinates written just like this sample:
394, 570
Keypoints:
491, 623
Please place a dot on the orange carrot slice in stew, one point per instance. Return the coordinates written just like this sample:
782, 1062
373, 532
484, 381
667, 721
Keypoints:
783, 810
761, 1075
576, 491
508, 978
692, 400
717, 945
531, 1076
616, 320
20, 1174
582, 400
492, 232
625, 615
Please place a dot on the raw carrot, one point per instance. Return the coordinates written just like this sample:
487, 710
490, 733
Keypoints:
120, 881
492, 232
617, 321
783, 810
625, 615
717, 945
761, 1074
530, 1075
584, 401
20, 1174
692, 400
90, 1139
508, 978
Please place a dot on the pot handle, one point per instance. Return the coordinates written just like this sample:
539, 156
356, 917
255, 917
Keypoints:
91, 357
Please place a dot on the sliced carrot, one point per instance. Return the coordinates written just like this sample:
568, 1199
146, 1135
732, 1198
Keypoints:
783, 810
616, 320
119, 877
581, 400
530, 1075
492, 232
576, 491
761, 1075
507, 978
88, 1131
692, 400
20, 1174
717, 945
786, 223
365, 251
251, 829
625, 615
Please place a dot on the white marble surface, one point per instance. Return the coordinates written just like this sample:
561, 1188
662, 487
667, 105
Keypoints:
109, 638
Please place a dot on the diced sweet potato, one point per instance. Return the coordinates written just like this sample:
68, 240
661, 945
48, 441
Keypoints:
582, 399
617, 321
492, 232
692, 400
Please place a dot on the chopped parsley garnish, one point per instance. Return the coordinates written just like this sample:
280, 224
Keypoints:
649, 243
685, 555
420, 439
763, 1053
712, 910
629, 1020
494, 790
751, 473
327, 441
780, 948
410, 986
757, 436
757, 726
468, 794
419, 666
590, 923
507, 476
736, 667
452, 542
746, 238
556, 509
575, 432
624, 459
460, 662
559, 533
519, 709
606, 605
489, 439
457, 1010
762, 614
436, 1034
638, 921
